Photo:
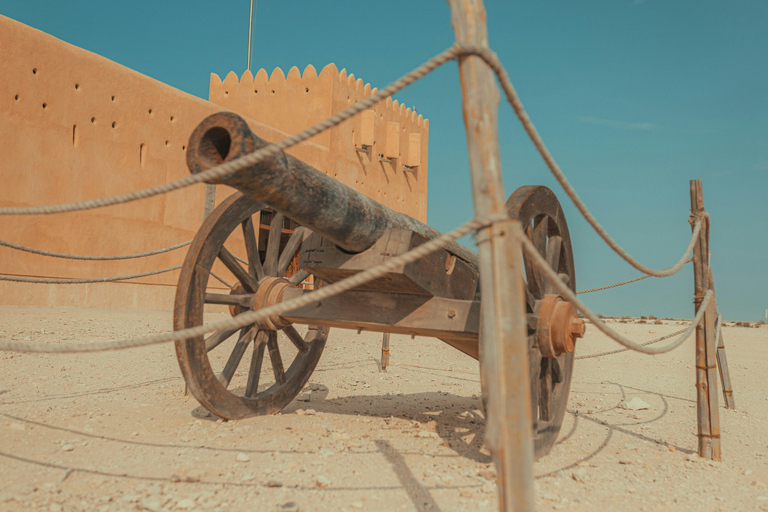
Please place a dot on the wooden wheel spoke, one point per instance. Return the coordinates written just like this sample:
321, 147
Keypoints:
531, 274
246, 336
247, 280
298, 277
553, 259
290, 249
273, 244
545, 390
252, 387
252, 249
274, 356
296, 339
245, 300
217, 338
534, 356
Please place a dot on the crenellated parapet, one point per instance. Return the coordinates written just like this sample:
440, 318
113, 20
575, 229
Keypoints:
382, 152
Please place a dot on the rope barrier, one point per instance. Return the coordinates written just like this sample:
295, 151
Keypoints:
618, 351
455, 51
251, 317
622, 283
540, 262
92, 258
492, 60
56, 280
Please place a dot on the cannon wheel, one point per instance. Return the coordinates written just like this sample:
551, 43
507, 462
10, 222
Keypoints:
209, 364
539, 211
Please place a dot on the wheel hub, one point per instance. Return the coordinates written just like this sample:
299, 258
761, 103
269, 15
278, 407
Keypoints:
269, 293
558, 326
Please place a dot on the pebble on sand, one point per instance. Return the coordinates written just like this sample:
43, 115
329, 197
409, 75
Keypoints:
242, 457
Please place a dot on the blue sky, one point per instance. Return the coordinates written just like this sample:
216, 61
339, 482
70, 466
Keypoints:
633, 97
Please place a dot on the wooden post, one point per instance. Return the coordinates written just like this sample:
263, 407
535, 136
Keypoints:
384, 351
210, 200
503, 332
706, 379
722, 361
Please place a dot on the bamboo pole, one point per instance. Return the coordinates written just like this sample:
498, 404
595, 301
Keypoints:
708, 419
503, 334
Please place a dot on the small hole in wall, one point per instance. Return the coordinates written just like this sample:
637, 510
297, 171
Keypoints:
273, 92
34, 71
255, 91
149, 112
16, 97
167, 143
74, 135
113, 98
226, 93
77, 86
45, 106
114, 124
93, 120
183, 147
142, 154
306, 90
171, 118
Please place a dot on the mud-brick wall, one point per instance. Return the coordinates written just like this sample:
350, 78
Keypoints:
77, 126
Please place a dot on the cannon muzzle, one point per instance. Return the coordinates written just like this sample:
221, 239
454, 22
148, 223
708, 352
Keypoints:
340, 214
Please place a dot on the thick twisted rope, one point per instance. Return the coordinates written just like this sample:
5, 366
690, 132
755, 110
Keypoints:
93, 258
620, 350
622, 283
493, 62
251, 317
530, 250
451, 53
57, 280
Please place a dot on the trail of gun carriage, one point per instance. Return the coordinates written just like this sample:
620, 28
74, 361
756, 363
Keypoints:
335, 351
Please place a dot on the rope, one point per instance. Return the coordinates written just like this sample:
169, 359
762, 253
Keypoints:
221, 279
622, 283
493, 62
97, 258
56, 280
229, 168
570, 296
611, 352
251, 317
455, 51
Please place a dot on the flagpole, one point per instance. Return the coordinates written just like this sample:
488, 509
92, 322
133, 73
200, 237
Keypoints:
250, 36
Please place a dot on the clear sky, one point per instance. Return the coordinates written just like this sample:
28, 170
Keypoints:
633, 97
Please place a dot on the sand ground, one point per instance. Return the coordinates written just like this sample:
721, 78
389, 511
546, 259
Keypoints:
114, 431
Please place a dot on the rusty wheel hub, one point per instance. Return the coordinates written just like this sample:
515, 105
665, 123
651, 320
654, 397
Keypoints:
269, 293
558, 326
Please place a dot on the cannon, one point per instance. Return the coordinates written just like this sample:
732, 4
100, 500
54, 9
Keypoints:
292, 223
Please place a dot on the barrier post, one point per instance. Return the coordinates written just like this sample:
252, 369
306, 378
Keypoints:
722, 360
503, 332
706, 366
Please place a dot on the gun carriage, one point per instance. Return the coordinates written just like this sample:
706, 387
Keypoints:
337, 233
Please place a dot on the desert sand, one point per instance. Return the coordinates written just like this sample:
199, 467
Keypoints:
114, 431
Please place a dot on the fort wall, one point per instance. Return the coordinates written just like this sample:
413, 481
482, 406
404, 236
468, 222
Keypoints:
78, 126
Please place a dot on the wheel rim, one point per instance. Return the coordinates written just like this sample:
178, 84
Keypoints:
543, 221
210, 363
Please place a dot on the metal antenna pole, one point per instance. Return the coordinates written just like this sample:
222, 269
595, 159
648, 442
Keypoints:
250, 36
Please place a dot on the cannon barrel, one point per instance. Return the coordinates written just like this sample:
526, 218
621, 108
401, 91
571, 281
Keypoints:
340, 214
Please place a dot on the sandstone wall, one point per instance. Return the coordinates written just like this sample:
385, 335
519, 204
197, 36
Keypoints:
77, 126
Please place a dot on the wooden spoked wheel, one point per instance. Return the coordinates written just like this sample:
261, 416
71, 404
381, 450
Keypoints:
544, 224
254, 370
